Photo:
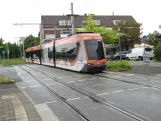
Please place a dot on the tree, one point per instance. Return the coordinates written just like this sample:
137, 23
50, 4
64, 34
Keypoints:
31, 41
157, 51
1, 45
154, 38
129, 33
109, 36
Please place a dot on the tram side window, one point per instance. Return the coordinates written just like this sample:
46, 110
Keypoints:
71, 52
66, 52
50, 53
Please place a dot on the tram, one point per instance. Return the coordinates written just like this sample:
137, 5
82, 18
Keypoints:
81, 52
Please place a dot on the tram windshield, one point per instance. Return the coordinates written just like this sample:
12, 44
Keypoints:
94, 49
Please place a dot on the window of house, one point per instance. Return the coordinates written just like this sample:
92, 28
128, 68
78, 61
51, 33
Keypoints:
97, 22
115, 22
64, 22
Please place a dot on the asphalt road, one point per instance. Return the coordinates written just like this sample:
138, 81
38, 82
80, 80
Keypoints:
154, 68
138, 94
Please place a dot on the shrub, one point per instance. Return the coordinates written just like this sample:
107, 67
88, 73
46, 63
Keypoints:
157, 51
118, 66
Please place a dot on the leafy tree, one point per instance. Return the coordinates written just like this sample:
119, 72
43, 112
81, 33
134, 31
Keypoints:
109, 36
129, 33
2, 46
153, 38
157, 51
31, 41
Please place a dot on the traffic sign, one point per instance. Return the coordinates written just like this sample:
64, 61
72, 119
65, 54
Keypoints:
146, 59
3, 52
144, 38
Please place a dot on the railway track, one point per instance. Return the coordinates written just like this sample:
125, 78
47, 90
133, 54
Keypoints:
61, 99
88, 94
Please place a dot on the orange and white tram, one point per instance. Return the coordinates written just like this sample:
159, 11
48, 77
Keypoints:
81, 52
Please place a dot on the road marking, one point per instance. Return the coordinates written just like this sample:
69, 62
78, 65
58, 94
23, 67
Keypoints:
102, 78
47, 79
118, 91
50, 84
68, 76
50, 102
26, 95
30, 81
23, 87
34, 86
145, 87
71, 81
46, 113
133, 89
130, 74
19, 74
93, 79
82, 80
60, 77
78, 98
102, 94
78, 75
116, 76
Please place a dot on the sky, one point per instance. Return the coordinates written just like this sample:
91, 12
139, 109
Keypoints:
146, 12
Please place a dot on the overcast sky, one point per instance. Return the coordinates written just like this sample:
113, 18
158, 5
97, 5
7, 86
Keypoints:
147, 12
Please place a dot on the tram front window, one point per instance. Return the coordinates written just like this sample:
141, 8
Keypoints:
94, 49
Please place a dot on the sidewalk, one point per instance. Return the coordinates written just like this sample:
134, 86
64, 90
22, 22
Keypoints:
15, 106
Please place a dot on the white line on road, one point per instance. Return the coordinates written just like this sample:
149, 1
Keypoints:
118, 91
47, 79
93, 79
115, 76
82, 80
23, 87
78, 98
30, 81
102, 78
102, 94
146, 87
71, 81
68, 76
50, 102
130, 74
78, 75
50, 84
133, 89
60, 77
34, 86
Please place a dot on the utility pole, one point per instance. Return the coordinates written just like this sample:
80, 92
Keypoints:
72, 18
119, 42
7, 51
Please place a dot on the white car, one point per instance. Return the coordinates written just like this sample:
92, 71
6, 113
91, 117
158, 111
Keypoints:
137, 53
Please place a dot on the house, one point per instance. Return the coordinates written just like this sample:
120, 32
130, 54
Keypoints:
59, 26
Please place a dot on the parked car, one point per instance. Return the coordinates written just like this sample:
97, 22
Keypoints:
117, 55
137, 53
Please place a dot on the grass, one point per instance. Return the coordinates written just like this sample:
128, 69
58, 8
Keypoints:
118, 66
10, 62
4, 80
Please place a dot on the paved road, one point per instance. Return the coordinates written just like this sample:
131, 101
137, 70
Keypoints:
137, 94
154, 68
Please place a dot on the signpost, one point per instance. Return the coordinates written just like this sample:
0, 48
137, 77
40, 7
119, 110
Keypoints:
146, 57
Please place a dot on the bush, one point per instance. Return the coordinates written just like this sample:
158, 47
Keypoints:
118, 66
4, 80
10, 62
157, 52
